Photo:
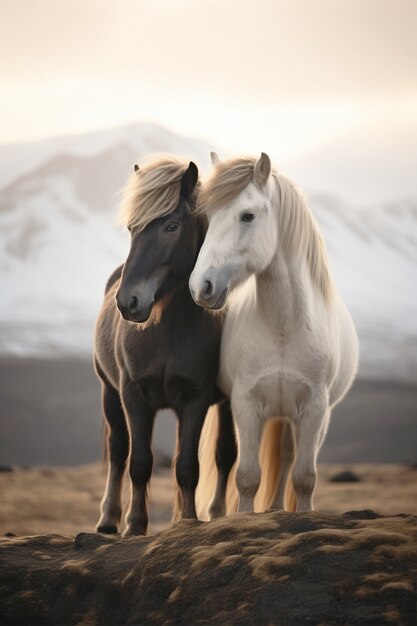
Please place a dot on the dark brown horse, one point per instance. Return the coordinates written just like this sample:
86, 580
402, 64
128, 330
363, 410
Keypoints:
155, 348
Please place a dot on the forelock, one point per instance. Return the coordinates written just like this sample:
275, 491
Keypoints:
227, 180
153, 191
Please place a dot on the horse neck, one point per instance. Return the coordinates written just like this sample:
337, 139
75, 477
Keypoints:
283, 292
286, 287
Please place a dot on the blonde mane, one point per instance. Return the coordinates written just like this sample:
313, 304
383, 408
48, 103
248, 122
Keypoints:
152, 191
298, 229
228, 179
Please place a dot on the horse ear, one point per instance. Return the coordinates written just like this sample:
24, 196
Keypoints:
262, 168
136, 167
214, 157
189, 180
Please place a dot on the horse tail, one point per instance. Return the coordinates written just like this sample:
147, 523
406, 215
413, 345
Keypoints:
290, 498
269, 459
105, 433
270, 462
207, 457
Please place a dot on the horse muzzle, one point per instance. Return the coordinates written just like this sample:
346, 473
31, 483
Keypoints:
133, 311
135, 304
209, 291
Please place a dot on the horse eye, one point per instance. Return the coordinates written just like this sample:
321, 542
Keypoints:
129, 228
171, 228
247, 217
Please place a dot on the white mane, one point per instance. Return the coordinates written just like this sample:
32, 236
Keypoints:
298, 230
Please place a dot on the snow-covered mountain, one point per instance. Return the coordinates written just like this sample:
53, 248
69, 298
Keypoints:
373, 258
19, 159
58, 244
58, 240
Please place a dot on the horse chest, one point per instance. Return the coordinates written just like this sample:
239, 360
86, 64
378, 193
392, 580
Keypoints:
251, 347
171, 366
280, 393
278, 370
167, 391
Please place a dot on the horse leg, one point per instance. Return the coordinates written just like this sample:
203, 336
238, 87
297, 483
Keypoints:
140, 420
191, 420
117, 450
286, 461
323, 429
309, 432
249, 430
226, 453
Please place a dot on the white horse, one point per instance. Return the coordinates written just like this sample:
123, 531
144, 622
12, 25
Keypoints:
289, 346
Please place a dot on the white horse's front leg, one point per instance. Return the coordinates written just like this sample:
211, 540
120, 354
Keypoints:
309, 433
249, 430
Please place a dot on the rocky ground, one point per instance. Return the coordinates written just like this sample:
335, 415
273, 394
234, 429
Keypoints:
270, 568
273, 568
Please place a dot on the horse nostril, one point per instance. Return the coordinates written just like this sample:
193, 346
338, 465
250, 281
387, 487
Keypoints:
208, 290
133, 304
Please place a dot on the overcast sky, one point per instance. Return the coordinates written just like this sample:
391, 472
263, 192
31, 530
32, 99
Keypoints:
268, 74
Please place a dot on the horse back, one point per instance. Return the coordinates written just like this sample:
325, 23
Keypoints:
115, 276
105, 333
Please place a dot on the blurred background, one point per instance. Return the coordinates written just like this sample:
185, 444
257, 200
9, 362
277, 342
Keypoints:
328, 88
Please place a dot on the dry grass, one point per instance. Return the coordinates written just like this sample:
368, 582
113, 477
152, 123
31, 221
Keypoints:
66, 500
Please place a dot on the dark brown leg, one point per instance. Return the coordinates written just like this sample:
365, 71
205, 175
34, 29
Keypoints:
226, 453
140, 420
191, 421
117, 450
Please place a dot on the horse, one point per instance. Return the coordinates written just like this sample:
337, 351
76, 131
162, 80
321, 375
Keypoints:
154, 348
289, 348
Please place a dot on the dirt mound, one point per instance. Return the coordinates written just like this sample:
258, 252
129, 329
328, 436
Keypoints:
270, 568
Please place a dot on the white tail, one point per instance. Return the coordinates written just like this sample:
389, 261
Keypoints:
269, 459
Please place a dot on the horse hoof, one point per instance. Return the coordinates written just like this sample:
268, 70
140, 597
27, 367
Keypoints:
107, 530
134, 532
216, 513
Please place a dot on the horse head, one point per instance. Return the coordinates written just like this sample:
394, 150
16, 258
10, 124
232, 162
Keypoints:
241, 239
162, 251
